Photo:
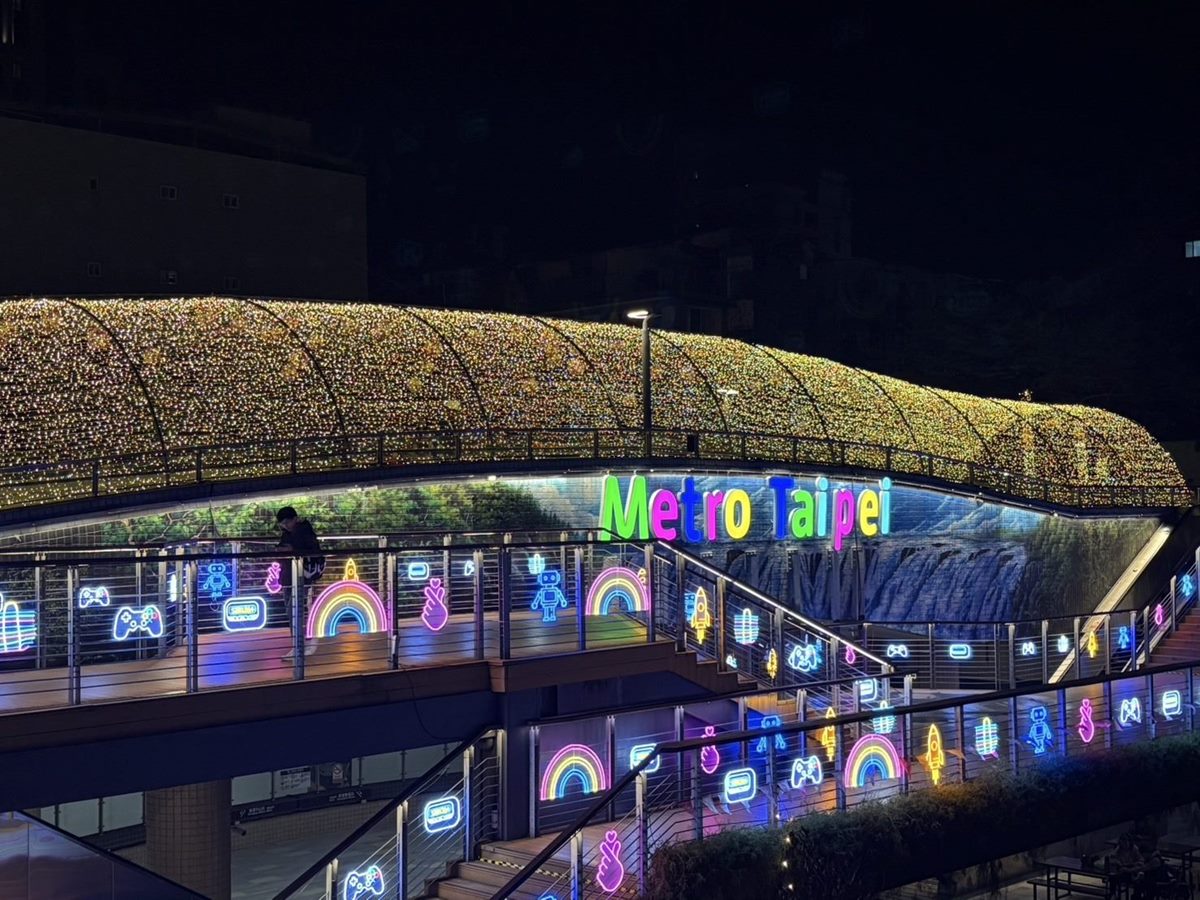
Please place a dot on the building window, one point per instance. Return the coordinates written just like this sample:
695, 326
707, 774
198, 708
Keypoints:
169, 277
1191, 249
93, 183
232, 283
94, 270
168, 192
230, 201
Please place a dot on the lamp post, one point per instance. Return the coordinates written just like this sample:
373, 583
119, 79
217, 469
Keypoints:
644, 316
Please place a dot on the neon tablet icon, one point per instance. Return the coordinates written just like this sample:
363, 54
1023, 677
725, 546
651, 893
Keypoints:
740, 786
244, 614
638, 752
442, 814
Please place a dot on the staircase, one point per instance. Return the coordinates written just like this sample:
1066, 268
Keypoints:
1181, 647
498, 862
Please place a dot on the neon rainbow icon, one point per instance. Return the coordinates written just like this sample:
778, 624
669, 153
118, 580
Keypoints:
872, 757
18, 627
573, 763
347, 599
617, 585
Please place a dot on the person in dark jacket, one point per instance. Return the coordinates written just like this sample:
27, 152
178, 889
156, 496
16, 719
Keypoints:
299, 538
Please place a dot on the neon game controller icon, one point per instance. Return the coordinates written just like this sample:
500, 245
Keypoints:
362, 884
130, 621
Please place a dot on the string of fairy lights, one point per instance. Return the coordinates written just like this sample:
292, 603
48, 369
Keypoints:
100, 378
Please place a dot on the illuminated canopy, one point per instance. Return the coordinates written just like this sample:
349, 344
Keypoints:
155, 379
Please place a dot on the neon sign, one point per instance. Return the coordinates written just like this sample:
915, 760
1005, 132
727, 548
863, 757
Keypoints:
417, 570
18, 627
1123, 639
987, 738
549, 595
130, 621
348, 599
214, 579
574, 763
620, 587
244, 614
745, 626
442, 814
826, 512
1028, 648
883, 724
1064, 643
934, 756
638, 752
610, 873
828, 736
468, 568
807, 770
868, 689
1092, 646
94, 596
740, 786
872, 757
780, 740
701, 618
1160, 615
274, 579
1187, 586
897, 651
850, 656
1130, 713
1172, 703
1086, 727
360, 884
772, 664
1040, 735
806, 657
710, 757
959, 651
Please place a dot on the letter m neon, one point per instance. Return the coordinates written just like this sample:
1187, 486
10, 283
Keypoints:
624, 520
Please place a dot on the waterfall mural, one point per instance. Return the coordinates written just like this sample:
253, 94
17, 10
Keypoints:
947, 556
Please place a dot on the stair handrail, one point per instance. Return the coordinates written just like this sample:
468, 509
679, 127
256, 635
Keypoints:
611, 795
390, 807
766, 600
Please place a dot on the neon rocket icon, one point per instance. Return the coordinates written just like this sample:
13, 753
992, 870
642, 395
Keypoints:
701, 617
935, 754
1092, 646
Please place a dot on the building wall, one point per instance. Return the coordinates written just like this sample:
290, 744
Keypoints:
87, 212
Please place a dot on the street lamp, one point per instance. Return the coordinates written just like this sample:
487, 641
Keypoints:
644, 316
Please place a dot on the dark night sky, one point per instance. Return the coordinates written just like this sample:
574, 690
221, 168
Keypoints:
1017, 141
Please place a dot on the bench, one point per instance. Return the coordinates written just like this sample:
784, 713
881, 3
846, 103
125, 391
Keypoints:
1061, 885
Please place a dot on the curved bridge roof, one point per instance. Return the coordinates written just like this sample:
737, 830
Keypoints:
150, 379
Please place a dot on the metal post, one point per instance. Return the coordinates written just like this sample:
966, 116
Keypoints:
1108, 644
1014, 739
1012, 656
833, 662
163, 596
777, 640
681, 621
1078, 648
392, 601
1108, 705
577, 865
1173, 601
996, 654
74, 678
649, 566
932, 656
331, 878
839, 766
1062, 721
1191, 694
642, 830
535, 734
298, 623
477, 556
191, 595
1133, 635
1045, 651
37, 605
1151, 722
719, 621
960, 734
580, 618
467, 805
505, 603
772, 786
647, 411
610, 743
402, 851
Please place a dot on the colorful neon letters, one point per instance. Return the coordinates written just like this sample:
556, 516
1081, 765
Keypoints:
1172, 703
807, 770
638, 752
244, 614
987, 738
442, 814
130, 621
959, 652
827, 512
745, 626
1040, 734
610, 872
367, 882
94, 596
1130, 712
1086, 727
740, 786
18, 627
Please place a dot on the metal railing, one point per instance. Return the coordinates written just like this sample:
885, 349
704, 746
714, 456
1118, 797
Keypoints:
692, 789
32, 485
418, 836
81, 627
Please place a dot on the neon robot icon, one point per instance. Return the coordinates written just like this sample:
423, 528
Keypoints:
807, 770
94, 596
1172, 703
1040, 734
18, 627
442, 814
740, 786
780, 740
745, 626
1086, 727
987, 738
1130, 713
638, 752
216, 582
367, 883
610, 873
244, 614
549, 595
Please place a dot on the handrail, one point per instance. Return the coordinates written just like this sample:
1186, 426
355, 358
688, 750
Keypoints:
610, 796
693, 560
389, 808
449, 446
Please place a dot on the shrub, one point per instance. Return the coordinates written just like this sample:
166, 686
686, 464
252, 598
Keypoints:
884, 844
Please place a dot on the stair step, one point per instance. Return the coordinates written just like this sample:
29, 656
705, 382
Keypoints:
497, 876
520, 858
461, 889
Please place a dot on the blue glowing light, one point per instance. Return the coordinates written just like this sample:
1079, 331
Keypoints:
740, 786
244, 614
1040, 734
959, 651
442, 814
780, 741
1172, 704
897, 651
417, 570
806, 770
638, 752
1131, 712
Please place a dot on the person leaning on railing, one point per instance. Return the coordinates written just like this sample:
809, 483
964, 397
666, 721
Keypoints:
299, 538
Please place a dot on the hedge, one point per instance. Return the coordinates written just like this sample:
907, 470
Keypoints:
885, 844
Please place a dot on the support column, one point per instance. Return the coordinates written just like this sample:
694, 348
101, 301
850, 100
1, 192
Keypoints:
187, 836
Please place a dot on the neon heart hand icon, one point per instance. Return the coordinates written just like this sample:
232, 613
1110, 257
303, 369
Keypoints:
710, 758
611, 873
435, 614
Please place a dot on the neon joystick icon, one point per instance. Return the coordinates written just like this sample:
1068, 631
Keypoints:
710, 757
611, 873
369, 882
435, 614
274, 582
1087, 728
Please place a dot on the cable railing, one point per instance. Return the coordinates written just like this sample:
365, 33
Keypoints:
83, 627
689, 790
33, 485
417, 837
